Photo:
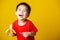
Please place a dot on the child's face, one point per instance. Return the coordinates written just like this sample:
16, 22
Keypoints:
22, 12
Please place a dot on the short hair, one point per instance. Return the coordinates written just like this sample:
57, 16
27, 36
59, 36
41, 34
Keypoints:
23, 3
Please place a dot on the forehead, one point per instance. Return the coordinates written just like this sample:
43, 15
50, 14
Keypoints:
23, 7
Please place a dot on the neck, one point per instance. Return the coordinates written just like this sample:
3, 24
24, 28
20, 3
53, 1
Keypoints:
23, 20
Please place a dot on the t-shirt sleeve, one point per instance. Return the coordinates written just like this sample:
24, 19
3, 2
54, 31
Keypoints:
33, 28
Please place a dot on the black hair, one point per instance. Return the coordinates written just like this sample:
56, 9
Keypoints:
23, 3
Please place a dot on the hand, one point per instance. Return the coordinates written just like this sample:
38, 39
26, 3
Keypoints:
11, 34
25, 34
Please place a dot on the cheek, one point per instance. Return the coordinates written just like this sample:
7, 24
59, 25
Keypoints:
25, 14
17, 12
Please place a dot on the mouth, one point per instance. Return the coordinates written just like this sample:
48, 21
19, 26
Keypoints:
20, 15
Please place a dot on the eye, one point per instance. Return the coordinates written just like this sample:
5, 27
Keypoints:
25, 10
19, 9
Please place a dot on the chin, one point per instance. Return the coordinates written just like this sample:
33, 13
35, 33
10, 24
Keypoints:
20, 18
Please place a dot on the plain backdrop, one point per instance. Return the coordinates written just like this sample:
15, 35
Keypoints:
45, 14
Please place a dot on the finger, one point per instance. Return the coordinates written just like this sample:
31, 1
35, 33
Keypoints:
21, 32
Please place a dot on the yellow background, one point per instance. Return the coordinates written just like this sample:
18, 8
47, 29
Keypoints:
45, 15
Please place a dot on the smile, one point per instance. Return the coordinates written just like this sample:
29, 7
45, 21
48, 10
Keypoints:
20, 15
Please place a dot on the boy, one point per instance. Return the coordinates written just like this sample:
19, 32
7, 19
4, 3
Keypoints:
23, 28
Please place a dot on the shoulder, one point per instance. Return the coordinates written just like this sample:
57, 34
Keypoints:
11, 25
29, 21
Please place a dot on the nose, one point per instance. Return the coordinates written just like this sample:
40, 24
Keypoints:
21, 12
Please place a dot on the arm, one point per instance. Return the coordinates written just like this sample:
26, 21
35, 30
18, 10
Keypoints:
26, 34
32, 33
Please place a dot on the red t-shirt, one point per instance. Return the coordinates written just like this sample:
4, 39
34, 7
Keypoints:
28, 27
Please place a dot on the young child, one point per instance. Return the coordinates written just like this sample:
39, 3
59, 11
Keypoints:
23, 28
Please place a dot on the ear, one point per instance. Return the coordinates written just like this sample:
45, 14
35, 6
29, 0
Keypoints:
28, 14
